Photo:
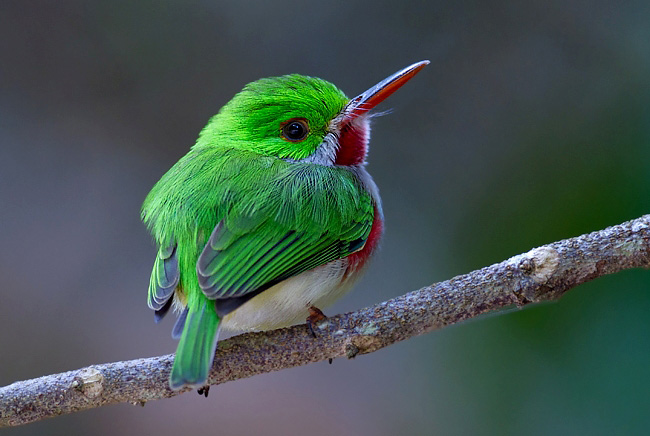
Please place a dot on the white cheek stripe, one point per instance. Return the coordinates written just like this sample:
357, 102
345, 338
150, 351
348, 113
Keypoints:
325, 154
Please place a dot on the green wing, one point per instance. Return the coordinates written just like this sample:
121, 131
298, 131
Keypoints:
309, 216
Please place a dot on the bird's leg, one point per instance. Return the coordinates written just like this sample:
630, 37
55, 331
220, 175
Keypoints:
204, 390
315, 316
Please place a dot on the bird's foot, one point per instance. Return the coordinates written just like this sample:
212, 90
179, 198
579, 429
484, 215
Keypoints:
204, 390
315, 316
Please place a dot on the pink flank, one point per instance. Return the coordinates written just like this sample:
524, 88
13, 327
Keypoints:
357, 260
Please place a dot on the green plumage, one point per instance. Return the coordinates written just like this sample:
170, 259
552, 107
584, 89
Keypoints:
239, 213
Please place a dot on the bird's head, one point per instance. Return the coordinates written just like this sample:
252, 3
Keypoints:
300, 118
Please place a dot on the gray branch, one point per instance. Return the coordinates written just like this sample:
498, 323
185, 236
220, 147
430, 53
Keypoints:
544, 273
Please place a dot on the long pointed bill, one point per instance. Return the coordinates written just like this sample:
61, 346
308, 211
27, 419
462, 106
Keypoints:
364, 102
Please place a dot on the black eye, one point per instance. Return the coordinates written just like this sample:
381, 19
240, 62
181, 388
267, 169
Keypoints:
295, 130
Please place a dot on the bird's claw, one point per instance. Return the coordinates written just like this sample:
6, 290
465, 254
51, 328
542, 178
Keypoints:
204, 390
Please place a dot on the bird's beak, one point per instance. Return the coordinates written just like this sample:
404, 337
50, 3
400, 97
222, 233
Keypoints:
367, 100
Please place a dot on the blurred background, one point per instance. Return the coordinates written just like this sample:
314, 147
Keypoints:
531, 124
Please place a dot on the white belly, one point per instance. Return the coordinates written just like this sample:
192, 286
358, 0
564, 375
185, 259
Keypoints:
287, 302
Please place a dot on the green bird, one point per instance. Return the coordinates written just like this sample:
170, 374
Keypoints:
270, 214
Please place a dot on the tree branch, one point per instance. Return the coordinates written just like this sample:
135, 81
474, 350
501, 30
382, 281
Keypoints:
543, 273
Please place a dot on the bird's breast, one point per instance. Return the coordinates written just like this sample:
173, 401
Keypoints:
287, 302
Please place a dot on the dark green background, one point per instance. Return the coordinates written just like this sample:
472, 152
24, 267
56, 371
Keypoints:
531, 124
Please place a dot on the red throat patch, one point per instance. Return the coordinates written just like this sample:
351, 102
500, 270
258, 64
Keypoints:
353, 144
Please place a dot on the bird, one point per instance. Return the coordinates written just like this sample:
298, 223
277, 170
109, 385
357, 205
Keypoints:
268, 217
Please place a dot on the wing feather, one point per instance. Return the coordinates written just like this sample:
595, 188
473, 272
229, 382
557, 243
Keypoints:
165, 277
271, 253
268, 220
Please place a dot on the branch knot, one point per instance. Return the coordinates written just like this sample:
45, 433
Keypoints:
89, 382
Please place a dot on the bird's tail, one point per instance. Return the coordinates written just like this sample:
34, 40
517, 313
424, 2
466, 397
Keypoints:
196, 348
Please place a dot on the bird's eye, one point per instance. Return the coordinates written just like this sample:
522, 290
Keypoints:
295, 130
